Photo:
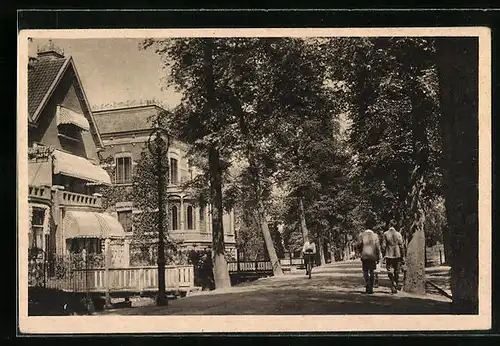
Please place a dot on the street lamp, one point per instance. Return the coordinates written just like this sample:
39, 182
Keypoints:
158, 144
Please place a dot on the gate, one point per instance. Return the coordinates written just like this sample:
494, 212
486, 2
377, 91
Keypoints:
37, 268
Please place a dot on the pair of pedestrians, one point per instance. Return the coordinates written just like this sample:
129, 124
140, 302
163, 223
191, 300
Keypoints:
371, 250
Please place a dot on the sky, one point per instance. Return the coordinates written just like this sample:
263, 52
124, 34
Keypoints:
115, 70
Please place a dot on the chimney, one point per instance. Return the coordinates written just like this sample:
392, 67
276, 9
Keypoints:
49, 51
31, 62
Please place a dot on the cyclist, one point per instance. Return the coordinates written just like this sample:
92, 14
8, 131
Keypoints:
308, 252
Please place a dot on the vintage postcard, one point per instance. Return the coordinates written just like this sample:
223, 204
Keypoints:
254, 180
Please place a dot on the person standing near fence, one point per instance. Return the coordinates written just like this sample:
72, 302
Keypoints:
393, 249
368, 245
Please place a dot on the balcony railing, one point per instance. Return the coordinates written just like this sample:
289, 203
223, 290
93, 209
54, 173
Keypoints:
78, 199
66, 198
42, 192
197, 236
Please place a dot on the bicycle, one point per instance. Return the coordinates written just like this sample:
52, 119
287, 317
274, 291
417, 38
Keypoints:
309, 256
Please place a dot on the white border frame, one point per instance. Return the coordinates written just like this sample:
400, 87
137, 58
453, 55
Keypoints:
253, 323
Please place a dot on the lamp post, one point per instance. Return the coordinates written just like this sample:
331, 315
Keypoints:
158, 144
85, 260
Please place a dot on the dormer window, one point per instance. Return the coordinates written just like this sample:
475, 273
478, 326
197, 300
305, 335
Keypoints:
71, 123
69, 132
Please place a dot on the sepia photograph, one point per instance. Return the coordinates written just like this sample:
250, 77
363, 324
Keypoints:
254, 180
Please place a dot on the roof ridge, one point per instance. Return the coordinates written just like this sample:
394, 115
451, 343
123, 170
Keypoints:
121, 108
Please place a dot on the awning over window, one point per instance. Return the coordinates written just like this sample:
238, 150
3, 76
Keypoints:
79, 167
67, 116
86, 224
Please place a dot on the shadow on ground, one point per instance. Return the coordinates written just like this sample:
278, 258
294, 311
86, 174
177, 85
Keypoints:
295, 295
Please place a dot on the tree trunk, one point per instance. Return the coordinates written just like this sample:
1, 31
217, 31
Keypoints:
303, 226
415, 274
328, 253
446, 245
220, 269
268, 240
415, 256
457, 62
321, 251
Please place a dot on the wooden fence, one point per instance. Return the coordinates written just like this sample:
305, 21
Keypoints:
291, 261
136, 279
250, 266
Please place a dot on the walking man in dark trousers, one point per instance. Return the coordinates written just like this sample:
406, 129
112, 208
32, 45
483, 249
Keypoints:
393, 248
369, 248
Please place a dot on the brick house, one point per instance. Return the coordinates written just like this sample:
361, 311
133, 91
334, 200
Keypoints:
63, 164
125, 132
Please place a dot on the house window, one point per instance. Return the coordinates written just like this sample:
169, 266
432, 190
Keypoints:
174, 217
36, 235
125, 219
91, 245
123, 170
173, 171
189, 217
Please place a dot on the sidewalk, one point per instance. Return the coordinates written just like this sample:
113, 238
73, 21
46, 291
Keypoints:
333, 289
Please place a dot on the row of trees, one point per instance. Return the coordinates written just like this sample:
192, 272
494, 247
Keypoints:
341, 129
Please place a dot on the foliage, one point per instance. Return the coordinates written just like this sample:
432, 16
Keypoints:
203, 274
39, 152
276, 110
249, 239
292, 237
435, 221
390, 88
144, 195
234, 100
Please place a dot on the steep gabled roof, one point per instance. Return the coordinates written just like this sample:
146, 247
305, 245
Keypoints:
44, 76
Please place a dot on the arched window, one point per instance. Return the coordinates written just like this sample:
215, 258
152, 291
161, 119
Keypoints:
189, 217
174, 218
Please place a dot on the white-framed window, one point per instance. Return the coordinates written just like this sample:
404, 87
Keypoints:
174, 171
123, 173
125, 219
36, 237
189, 217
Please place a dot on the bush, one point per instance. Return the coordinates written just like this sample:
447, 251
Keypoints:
203, 274
52, 302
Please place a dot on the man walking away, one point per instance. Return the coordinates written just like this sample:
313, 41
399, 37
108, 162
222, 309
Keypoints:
369, 248
392, 247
